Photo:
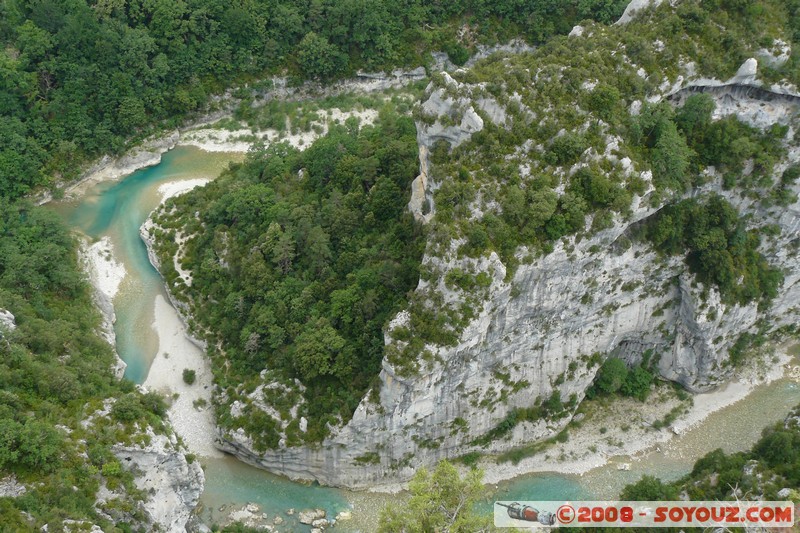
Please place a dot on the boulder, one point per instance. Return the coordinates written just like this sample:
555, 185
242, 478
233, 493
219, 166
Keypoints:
310, 515
7, 320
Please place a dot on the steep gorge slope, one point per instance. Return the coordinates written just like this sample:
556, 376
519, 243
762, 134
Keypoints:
542, 178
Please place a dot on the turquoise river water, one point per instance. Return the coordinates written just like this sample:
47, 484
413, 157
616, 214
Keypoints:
117, 210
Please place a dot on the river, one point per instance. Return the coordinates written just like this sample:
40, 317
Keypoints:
117, 209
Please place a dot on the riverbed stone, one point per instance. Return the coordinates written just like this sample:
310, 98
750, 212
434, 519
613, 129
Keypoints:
310, 515
320, 523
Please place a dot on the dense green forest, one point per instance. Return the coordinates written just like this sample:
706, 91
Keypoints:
298, 260
56, 372
79, 79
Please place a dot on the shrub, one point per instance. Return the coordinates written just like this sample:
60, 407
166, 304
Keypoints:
189, 376
611, 375
637, 383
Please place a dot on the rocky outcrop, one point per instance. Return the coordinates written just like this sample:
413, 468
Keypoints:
173, 484
453, 116
147, 232
633, 7
11, 488
7, 320
453, 119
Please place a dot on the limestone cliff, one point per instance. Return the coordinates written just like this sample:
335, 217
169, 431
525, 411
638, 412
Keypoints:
173, 484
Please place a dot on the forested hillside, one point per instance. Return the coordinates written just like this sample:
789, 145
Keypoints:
61, 407
78, 79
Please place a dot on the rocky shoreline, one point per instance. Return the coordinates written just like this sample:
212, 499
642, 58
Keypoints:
105, 275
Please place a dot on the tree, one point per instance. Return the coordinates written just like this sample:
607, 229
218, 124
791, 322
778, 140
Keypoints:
440, 501
317, 58
542, 205
695, 116
649, 488
670, 158
605, 11
316, 349
611, 375
603, 100
637, 383
189, 376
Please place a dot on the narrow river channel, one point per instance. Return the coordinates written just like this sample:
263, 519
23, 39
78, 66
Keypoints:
117, 209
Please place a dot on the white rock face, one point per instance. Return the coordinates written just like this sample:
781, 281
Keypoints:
536, 333
11, 488
747, 72
7, 320
174, 484
309, 517
441, 103
633, 7
421, 203
105, 275
777, 55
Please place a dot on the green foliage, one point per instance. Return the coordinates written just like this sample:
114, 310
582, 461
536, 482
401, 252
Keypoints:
637, 383
564, 150
604, 100
54, 372
319, 59
745, 343
189, 376
612, 375
440, 501
552, 407
649, 488
670, 156
318, 253
720, 249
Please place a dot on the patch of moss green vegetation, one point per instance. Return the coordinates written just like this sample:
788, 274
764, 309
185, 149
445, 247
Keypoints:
55, 380
298, 261
552, 408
